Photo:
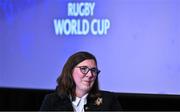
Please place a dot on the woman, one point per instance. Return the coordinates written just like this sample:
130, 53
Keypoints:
78, 88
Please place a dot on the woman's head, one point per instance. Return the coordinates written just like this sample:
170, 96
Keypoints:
79, 74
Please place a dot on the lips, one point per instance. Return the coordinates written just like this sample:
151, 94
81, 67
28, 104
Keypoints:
87, 82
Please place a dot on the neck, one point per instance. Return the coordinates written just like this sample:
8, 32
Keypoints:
80, 93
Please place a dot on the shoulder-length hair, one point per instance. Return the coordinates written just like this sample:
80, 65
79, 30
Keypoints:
66, 84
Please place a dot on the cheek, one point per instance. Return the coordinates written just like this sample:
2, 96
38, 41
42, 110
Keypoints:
76, 77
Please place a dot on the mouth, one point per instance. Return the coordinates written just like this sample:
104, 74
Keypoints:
87, 82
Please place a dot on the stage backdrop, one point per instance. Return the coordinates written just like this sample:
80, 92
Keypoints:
136, 42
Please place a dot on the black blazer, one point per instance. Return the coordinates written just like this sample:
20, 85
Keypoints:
58, 103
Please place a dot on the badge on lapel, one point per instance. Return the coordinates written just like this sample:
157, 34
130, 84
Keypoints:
98, 101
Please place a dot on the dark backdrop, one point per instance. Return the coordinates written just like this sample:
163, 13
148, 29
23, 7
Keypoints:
31, 99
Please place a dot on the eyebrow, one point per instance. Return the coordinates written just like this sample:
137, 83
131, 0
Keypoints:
87, 66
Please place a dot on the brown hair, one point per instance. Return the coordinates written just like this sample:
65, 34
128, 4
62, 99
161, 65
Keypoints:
66, 85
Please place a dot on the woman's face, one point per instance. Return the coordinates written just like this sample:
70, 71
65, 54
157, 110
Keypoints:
84, 75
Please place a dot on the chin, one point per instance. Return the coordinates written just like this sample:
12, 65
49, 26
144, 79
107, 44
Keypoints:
86, 88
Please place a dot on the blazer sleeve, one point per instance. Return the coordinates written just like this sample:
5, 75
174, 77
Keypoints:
46, 104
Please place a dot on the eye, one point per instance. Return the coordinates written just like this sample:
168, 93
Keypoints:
84, 69
95, 71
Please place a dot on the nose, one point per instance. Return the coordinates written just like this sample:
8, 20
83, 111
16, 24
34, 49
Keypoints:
89, 74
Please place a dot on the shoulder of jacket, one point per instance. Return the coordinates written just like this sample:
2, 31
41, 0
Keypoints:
55, 97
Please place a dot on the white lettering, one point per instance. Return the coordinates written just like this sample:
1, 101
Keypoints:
93, 31
106, 25
85, 26
81, 27
57, 27
81, 9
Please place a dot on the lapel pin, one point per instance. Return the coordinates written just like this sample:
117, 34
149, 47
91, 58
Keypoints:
98, 101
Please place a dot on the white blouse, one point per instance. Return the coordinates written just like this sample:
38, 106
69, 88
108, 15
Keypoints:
79, 103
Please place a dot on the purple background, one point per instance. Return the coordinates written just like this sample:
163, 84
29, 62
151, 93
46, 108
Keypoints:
140, 53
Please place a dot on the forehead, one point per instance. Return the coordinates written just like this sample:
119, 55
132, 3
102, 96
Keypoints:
88, 62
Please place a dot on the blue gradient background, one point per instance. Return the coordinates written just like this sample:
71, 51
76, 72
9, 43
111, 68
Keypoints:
140, 53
